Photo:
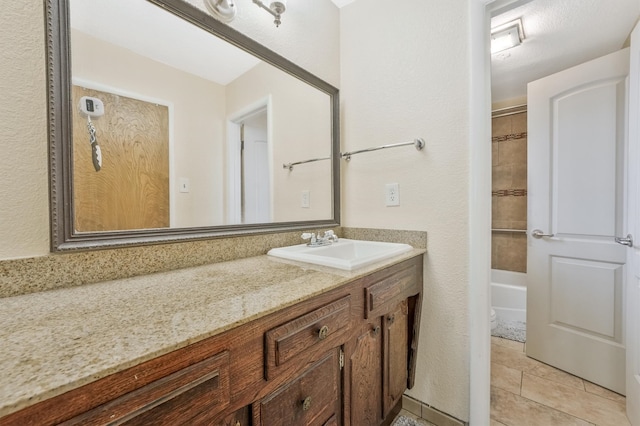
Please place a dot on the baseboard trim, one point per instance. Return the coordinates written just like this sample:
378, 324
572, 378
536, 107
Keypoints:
429, 413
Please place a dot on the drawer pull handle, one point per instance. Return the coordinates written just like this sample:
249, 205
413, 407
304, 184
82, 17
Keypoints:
391, 319
376, 330
323, 333
306, 404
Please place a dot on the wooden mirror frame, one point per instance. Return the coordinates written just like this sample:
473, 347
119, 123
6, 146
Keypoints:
63, 237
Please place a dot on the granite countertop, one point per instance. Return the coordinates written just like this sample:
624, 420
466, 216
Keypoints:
58, 340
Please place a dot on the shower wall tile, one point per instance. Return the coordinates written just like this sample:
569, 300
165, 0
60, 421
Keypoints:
513, 151
511, 209
519, 177
509, 212
509, 252
517, 224
509, 173
501, 126
519, 123
499, 245
501, 177
516, 258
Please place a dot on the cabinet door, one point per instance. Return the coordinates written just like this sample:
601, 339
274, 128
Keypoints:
365, 364
313, 398
396, 337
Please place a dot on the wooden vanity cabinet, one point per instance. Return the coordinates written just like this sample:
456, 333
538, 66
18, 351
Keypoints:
343, 357
365, 375
313, 398
382, 362
395, 350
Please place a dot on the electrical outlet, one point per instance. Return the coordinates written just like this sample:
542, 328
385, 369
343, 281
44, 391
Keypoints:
305, 199
392, 194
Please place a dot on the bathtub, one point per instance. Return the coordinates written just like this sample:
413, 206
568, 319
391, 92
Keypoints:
509, 295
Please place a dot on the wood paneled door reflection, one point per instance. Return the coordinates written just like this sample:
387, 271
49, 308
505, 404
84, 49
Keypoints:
131, 191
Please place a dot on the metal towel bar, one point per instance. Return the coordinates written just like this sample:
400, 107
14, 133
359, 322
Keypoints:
290, 165
418, 143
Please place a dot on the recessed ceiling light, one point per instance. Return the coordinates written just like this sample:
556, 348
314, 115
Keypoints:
506, 36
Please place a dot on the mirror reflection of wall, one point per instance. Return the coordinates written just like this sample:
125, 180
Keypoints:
136, 50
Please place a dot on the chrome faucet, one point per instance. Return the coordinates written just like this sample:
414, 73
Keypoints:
318, 241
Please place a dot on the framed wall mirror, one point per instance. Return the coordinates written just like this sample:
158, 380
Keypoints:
168, 125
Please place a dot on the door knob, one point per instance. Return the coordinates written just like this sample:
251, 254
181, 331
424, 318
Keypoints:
536, 233
628, 241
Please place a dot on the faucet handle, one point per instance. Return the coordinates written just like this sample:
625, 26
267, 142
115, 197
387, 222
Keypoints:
307, 235
330, 235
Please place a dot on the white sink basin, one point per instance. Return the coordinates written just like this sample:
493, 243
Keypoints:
344, 254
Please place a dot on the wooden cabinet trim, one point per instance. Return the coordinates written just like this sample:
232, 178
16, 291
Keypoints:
389, 286
125, 408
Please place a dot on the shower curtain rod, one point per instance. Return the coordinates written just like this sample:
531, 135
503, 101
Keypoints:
418, 143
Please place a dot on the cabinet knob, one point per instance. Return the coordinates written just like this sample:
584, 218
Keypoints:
324, 331
391, 319
306, 403
376, 330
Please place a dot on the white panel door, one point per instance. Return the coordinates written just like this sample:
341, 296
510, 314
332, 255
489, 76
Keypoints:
575, 269
633, 228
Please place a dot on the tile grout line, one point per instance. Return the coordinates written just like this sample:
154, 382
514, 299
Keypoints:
555, 409
581, 389
521, 380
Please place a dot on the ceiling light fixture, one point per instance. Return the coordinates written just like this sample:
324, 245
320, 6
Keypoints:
276, 8
224, 10
506, 36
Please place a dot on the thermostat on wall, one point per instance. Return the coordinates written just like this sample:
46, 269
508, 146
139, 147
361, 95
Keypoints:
91, 106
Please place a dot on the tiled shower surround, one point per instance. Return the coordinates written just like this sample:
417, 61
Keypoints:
509, 192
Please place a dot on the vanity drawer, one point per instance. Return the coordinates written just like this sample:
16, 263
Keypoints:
307, 336
175, 399
312, 399
387, 289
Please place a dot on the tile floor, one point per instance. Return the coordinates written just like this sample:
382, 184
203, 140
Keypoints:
525, 392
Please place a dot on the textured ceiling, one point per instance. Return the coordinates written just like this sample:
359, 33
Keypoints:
558, 35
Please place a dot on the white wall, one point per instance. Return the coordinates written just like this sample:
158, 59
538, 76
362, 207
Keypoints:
405, 75
24, 192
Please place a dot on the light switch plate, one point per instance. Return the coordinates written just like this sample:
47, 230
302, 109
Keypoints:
184, 185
